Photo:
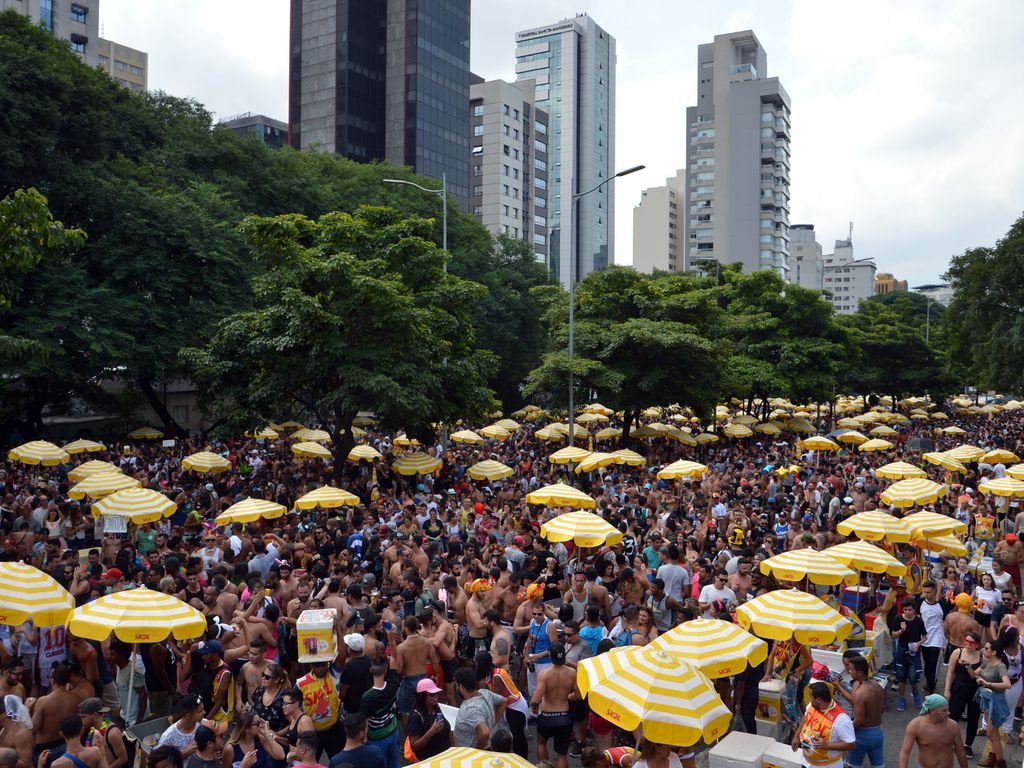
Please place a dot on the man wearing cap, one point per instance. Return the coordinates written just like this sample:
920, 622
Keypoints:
825, 732
219, 695
101, 732
936, 736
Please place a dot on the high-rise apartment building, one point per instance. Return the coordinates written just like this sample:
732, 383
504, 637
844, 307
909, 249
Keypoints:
267, 130
845, 280
806, 257
383, 80
77, 22
572, 64
508, 150
737, 172
658, 227
128, 66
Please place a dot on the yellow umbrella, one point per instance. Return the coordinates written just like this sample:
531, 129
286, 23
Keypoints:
737, 431
28, 594
495, 432
560, 495
416, 464
137, 616
682, 468
848, 423
629, 458
966, 453
785, 613
568, 455
585, 529
717, 648
804, 427
913, 492
598, 408
940, 416
357, 432
311, 435
997, 456
853, 437
680, 436
102, 484
136, 505
550, 434
875, 525
1016, 471
608, 433
293, 425
467, 436
206, 461
364, 453
767, 428
327, 497
248, 511
509, 424
925, 524
898, 470
875, 444
88, 468
84, 446
39, 452
1004, 486
263, 434
145, 433
590, 418
489, 470
672, 701
943, 542
577, 430
465, 757
311, 450
945, 461
644, 433
706, 437
883, 431
866, 557
800, 564
819, 443
596, 461
363, 421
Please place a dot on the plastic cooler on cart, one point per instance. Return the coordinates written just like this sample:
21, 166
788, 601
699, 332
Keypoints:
781, 756
739, 750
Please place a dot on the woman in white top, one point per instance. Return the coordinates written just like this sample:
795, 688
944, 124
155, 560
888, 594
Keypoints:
986, 597
181, 734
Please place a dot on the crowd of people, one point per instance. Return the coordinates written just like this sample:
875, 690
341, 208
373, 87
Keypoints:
446, 594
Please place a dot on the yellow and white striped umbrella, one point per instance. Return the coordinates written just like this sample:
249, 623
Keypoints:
925, 524
818, 443
39, 452
28, 594
489, 470
1016, 471
137, 616
883, 431
996, 456
682, 468
416, 464
466, 757
308, 449
289, 425
495, 432
406, 442
1003, 486
310, 435
866, 557
559, 495
89, 468
853, 437
737, 431
629, 458
596, 461
250, 510
206, 461
875, 444
954, 430
577, 430
706, 437
717, 648
550, 434
568, 455
467, 436
913, 492
136, 505
357, 432
875, 525
102, 484
263, 434
947, 462
943, 542
327, 497
785, 613
767, 428
584, 528
899, 470
800, 564
84, 446
604, 410
966, 453
848, 423
940, 416
364, 453
590, 418
608, 433
671, 700
145, 433
509, 424
744, 419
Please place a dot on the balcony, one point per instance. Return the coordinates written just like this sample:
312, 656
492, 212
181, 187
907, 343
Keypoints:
741, 72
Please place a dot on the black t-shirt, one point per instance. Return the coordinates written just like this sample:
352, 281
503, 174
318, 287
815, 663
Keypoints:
915, 629
356, 675
438, 743
363, 756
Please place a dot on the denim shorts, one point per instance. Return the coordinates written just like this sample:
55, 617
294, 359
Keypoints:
870, 744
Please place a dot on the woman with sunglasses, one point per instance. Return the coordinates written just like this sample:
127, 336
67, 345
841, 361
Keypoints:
252, 734
961, 686
993, 682
267, 699
298, 722
949, 584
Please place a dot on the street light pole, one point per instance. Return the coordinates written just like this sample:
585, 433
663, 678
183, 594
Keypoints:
572, 283
443, 192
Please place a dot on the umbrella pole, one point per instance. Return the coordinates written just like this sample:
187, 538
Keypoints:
139, 716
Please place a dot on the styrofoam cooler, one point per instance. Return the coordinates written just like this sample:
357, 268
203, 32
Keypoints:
781, 756
769, 729
769, 700
316, 636
739, 750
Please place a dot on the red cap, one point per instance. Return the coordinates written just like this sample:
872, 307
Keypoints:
1011, 537
113, 573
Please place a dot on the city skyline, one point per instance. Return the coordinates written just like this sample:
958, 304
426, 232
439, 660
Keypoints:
902, 125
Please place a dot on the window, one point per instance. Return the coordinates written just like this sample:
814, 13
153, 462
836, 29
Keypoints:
506, 115
505, 207
508, 132
539, 183
478, 210
137, 71
79, 12
478, 130
515, 115
180, 413
539, 239
78, 44
478, 170
542, 129
515, 193
46, 14
541, 202
508, 151
478, 111
515, 136
540, 165
515, 154
105, 62
477, 190
541, 221
540, 146
121, 66
505, 189
515, 173
478, 151
506, 169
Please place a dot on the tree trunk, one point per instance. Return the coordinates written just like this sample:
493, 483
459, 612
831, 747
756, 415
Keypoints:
169, 424
631, 416
343, 441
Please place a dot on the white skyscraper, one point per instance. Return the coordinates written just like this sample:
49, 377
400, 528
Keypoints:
573, 64
658, 227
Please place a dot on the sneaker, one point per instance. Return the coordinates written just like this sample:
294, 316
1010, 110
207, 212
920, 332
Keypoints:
576, 750
917, 698
901, 705
969, 752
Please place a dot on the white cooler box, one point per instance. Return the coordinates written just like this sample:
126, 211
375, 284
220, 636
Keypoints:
781, 756
739, 750
769, 729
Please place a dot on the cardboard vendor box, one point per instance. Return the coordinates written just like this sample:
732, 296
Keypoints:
316, 636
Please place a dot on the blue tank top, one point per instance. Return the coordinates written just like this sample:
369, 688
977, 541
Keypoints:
591, 636
541, 641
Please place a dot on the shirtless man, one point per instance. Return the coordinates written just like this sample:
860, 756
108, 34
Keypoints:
298, 604
226, 602
579, 597
417, 555
503, 596
16, 735
333, 599
1011, 551
959, 622
50, 710
110, 739
457, 600
75, 754
868, 702
414, 653
501, 639
442, 636
475, 621
936, 736
556, 685
288, 586
250, 677
11, 681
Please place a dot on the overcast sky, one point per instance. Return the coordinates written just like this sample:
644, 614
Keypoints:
907, 116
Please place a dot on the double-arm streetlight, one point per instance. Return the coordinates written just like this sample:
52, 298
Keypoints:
443, 192
573, 256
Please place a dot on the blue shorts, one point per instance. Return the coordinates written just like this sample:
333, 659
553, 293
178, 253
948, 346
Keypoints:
407, 693
870, 744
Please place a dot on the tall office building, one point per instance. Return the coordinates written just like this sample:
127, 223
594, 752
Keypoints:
737, 172
658, 227
77, 22
573, 65
128, 66
383, 80
508, 149
266, 130
806, 257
